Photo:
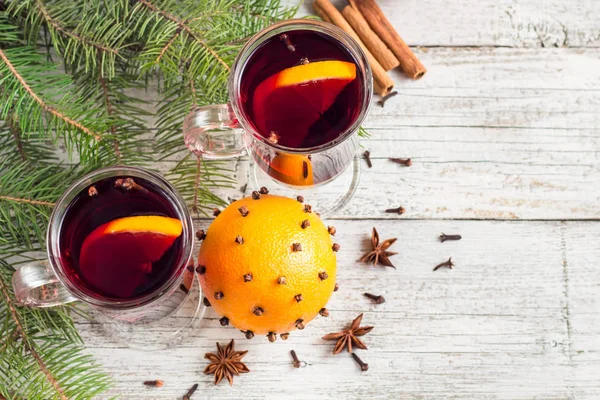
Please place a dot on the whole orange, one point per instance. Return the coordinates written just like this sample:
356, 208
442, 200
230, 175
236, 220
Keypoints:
268, 265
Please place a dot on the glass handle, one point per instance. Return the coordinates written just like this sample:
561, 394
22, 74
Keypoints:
213, 132
35, 285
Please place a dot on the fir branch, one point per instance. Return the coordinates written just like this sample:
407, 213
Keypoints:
15, 132
168, 45
28, 344
27, 201
181, 24
109, 112
57, 26
46, 107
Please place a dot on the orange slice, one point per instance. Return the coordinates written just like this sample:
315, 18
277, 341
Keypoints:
117, 256
292, 100
292, 169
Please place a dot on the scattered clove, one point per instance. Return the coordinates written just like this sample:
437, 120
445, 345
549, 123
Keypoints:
402, 161
447, 264
363, 365
399, 210
190, 392
155, 383
92, 191
201, 235
295, 358
367, 157
385, 98
378, 299
444, 237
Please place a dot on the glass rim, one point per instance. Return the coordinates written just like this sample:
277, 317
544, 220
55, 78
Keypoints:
57, 217
333, 31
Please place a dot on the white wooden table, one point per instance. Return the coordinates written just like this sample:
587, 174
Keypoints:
504, 134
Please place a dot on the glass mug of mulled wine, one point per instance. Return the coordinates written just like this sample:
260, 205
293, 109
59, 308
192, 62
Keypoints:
298, 93
120, 239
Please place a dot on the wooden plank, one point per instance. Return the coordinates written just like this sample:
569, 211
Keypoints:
493, 327
523, 23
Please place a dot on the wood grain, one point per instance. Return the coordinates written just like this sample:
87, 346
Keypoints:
516, 318
506, 23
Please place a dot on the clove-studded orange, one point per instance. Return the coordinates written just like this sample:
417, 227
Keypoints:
268, 265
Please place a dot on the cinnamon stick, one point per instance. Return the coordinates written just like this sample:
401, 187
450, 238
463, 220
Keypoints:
386, 58
409, 63
382, 82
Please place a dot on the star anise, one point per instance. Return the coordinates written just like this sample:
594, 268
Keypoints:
226, 363
349, 337
379, 253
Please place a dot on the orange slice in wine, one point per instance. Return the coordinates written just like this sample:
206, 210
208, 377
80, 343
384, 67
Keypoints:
117, 256
298, 96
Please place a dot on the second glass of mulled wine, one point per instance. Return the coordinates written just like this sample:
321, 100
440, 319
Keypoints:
119, 240
298, 92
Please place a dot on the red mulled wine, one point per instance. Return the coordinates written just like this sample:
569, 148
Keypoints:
119, 239
302, 89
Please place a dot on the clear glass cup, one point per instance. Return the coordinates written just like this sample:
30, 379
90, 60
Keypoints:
47, 283
224, 131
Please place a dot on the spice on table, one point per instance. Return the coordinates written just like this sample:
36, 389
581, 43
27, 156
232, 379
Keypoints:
328, 13
398, 210
378, 299
379, 254
226, 363
295, 358
385, 98
402, 161
367, 157
409, 63
154, 383
444, 237
380, 51
361, 363
447, 264
190, 392
349, 337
